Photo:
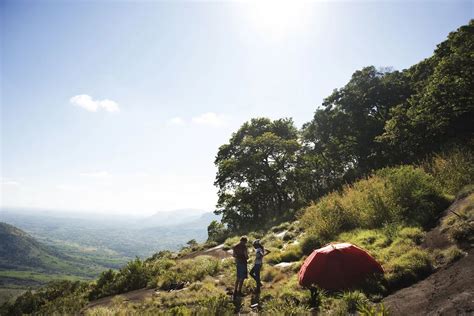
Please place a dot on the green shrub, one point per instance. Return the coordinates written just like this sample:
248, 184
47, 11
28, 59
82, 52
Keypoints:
217, 232
460, 225
408, 268
418, 198
231, 242
369, 309
310, 243
284, 307
449, 255
412, 233
271, 274
353, 299
453, 169
465, 191
216, 305
291, 253
188, 271
281, 227
402, 195
289, 235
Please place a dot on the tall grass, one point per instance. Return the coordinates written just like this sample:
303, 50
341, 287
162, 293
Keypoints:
405, 195
452, 170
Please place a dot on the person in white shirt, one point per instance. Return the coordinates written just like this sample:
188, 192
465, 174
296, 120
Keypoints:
259, 254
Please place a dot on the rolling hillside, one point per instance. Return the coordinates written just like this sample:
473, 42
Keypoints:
25, 261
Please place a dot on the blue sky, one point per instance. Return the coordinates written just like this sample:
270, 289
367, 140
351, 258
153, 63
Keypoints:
121, 106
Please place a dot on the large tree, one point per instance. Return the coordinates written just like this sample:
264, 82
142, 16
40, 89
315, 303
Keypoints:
340, 142
256, 174
441, 110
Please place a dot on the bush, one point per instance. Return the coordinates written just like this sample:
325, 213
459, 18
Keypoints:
460, 225
57, 297
310, 243
188, 271
271, 274
453, 169
284, 307
418, 198
291, 253
230, 242
353, 300
402, 195
216, 231
408, 268
448, 255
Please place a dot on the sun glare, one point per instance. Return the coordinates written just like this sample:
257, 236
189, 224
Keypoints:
278, 18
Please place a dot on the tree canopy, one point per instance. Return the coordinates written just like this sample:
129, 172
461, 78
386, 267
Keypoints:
381, 117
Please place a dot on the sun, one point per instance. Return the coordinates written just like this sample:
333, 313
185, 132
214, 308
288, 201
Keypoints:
278, 18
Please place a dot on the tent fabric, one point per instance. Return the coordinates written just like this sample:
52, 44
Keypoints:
337, 266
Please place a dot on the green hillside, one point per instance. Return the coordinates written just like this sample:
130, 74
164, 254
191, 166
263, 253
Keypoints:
25, 261
378, 166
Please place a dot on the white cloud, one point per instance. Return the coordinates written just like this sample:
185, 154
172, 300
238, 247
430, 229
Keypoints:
177, 121
210, 119
95, 174
86, 102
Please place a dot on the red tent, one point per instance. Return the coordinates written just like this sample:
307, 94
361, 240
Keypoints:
337, 266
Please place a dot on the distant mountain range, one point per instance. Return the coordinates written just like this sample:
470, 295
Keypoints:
186, 217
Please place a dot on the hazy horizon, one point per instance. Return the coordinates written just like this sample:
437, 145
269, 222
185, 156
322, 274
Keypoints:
120, 107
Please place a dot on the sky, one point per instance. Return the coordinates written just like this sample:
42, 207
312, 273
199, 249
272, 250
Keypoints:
120, 106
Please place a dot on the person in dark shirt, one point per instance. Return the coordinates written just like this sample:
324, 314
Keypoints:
241, 256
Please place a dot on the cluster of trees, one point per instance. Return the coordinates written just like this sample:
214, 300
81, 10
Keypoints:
381, 117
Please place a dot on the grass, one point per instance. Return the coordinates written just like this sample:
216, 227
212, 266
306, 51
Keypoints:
404, 195
386, 214
460, 225
453, 170
397, 249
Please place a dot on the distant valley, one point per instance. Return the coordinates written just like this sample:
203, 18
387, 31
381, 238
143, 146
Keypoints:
38, 246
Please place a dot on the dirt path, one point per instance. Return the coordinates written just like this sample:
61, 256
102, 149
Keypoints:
216, 252
449, 291
133, 297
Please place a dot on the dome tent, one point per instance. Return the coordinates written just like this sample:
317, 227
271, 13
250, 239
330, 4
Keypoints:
337, 266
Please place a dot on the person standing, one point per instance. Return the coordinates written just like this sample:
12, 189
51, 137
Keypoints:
255, 271
241, 256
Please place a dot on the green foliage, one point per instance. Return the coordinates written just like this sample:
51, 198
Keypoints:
393, 195
459, 225
255, 179
453, 169
285, 307
369, 309
133, 276
340, 142
441, 106
415, 193
310, 243
353, 300
291, 253
58, 297
448, 255
188, 271
231, 242
216, 231
408, 268
397, 249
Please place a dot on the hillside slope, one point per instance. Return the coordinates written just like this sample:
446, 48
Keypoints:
25, 261
449, 291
